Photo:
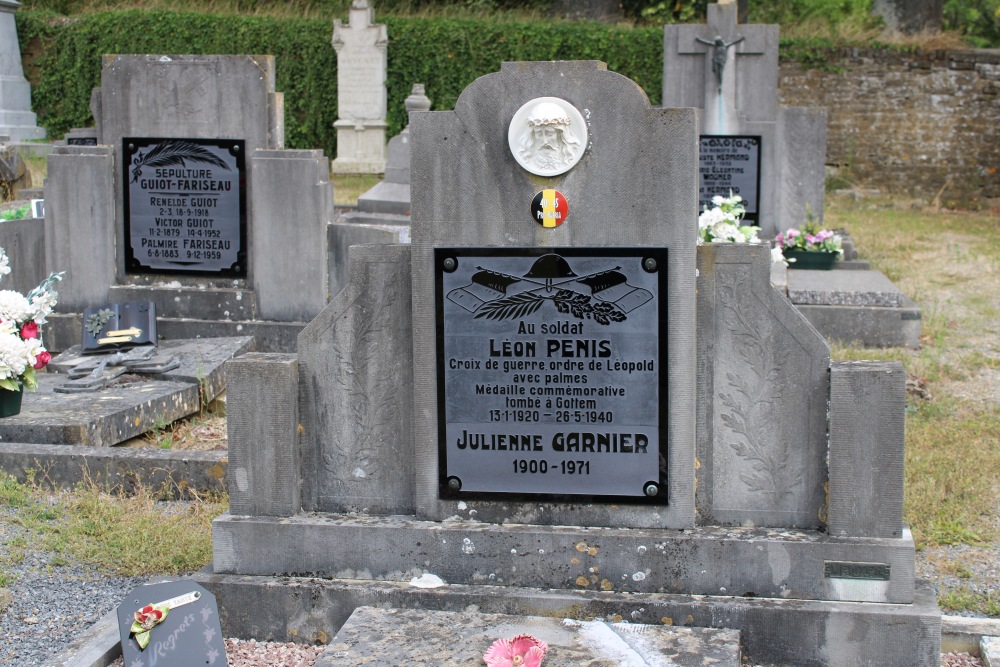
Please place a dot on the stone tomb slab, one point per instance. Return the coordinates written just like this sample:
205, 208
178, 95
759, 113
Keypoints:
843, 288
201, 360
97, 419
374, 636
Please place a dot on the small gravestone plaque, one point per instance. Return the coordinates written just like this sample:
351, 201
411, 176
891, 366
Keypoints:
730, 164
552, 373
185, 206
173, 624
81, 141
117, 326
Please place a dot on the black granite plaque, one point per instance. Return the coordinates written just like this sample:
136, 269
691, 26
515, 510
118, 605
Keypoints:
118, 326
730, 164
185, 204
81, 141
552, 373
189, 635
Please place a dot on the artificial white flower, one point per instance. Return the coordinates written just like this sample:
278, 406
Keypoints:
4, 263
42, 305
710, 217
14, 307
32, 347
726, 231
13, 356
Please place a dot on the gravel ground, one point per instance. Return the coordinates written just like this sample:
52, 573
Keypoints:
50, 603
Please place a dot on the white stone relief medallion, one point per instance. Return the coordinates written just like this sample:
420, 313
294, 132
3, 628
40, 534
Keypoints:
547, 136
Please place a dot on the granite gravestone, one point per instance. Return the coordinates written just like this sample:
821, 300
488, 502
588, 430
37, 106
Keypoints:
361, 94
184, 202
730, 72
173, 624
16, 118
347, 449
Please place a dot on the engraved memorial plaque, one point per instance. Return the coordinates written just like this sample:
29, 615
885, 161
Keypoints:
730, 164
552, 373
171, 624
185, 206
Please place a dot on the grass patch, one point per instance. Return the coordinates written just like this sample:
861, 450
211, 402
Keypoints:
127, 535
964, 598
348, 187
949, 263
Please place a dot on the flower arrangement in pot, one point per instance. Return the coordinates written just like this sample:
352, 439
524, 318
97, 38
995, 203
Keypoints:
21, 349
810, 247
723, 223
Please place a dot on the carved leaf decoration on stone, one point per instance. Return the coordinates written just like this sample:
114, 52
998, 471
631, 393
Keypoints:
755, 482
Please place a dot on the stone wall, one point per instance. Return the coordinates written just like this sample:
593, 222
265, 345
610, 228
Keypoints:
907, 123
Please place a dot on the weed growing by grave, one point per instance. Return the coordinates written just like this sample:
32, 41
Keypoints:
126, 534
965, 598
15, 213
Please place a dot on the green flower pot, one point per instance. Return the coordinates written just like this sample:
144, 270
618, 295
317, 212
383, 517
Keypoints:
811, 259
10, 402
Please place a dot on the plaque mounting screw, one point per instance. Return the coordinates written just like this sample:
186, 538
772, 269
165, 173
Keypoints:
651, 489
450, 265
649, 264
454, 484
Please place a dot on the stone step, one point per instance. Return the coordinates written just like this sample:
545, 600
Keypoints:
409, 636
211, 303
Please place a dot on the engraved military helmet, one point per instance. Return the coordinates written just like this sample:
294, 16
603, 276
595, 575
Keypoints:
549, 267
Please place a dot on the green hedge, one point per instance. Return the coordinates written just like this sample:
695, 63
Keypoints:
445, 54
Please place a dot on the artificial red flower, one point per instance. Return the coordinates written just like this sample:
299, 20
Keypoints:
148, 616
520, 651
42, 360
29, 330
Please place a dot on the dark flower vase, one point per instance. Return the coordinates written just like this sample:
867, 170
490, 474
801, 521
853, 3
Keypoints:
10, 402
811, 259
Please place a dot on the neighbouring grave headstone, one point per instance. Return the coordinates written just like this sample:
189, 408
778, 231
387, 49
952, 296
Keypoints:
172, 624
361, 94
16, 118
184, 201
776, 155
702, 469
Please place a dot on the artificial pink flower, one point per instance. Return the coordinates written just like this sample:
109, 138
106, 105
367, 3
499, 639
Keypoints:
29, 330
520, 651
41, 360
